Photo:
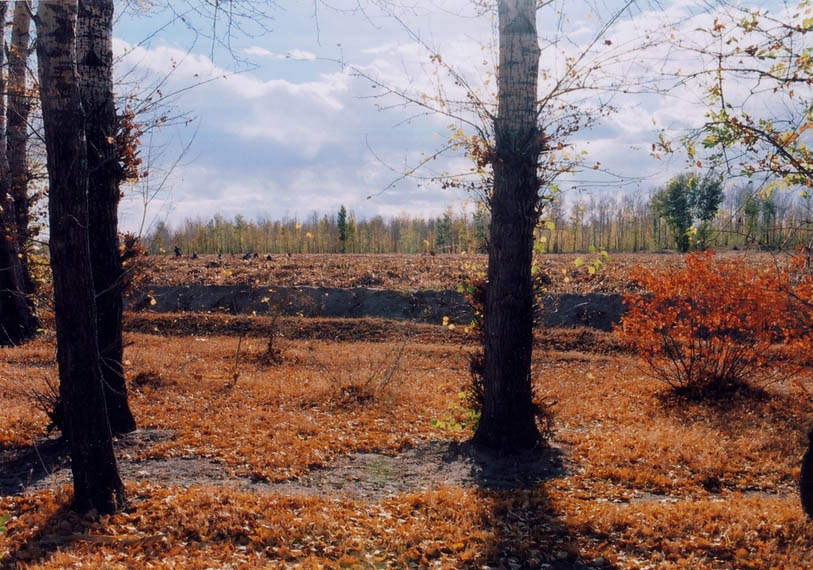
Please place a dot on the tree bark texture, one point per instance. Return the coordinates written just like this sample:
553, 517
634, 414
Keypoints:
94, 56
96, 480
507, 423
19, 105
17, 317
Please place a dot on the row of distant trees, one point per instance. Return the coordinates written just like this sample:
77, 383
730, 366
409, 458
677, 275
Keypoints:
343, 233
634, 222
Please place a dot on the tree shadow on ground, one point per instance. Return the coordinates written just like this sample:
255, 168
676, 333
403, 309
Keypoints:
521, 528
526, 530
31, 548
22, 468
752, 409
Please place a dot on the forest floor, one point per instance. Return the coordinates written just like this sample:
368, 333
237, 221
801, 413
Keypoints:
350, 451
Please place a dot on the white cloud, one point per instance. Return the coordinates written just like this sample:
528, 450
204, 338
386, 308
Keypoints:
294, 54
258, 51
300, 54
164, 61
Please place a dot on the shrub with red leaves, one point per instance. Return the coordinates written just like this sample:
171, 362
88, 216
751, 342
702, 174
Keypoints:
712, 328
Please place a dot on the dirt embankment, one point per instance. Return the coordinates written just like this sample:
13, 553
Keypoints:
407, 288
323, 302
595, 310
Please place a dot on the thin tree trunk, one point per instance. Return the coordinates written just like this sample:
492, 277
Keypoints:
507, 423
96, 479
94, 55
17, 138
17, 317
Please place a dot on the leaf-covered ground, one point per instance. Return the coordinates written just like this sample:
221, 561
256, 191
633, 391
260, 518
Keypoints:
634, 481
333, 458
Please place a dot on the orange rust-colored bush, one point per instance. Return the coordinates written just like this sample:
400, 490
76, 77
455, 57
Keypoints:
712, 328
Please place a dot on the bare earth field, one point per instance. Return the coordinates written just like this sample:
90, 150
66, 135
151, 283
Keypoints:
401, 272
332, 456
397, 272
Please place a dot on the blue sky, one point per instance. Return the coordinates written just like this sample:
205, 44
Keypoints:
290, 128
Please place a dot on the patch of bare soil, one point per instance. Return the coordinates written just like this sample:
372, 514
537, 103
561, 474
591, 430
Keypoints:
374, 476
367, 477
46, 463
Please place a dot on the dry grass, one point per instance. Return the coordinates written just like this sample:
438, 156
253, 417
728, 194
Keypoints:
649, 483
277, 421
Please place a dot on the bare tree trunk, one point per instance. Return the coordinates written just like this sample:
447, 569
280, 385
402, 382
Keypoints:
96, 479
17, 317
507, 423
19, 104
94, 56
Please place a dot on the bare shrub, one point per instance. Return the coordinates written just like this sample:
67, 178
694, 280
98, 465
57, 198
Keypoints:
367, 381
44, 398
273, 353
279, 306
149, 379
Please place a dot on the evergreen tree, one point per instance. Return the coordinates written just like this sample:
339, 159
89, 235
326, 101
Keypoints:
341, 222
480, 219
443, 231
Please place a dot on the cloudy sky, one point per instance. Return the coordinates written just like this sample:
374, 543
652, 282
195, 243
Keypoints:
286, 121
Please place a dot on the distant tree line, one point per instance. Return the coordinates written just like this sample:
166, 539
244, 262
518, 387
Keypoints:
679, 216
343, 233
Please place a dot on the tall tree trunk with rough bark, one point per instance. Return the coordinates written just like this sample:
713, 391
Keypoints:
94, 56
17, 318
96, 480
19, 105
507, 423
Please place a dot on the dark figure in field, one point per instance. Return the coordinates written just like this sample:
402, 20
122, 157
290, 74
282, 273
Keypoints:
268, 257
194, 255
177, 251
248, 256
256, 255
806, 477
